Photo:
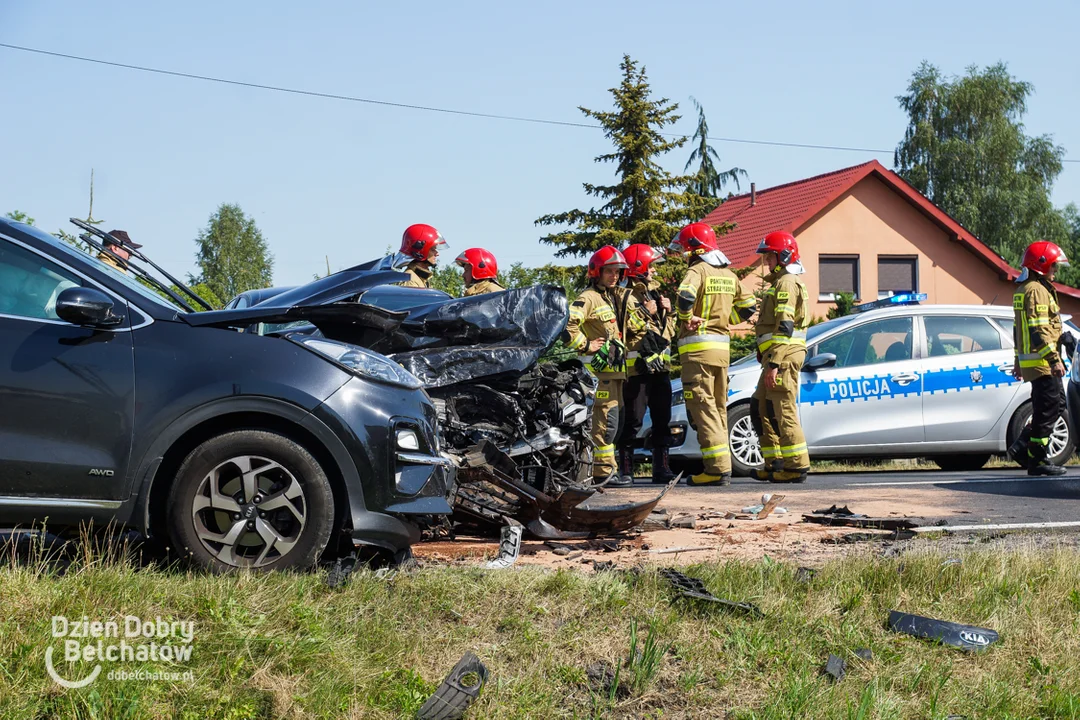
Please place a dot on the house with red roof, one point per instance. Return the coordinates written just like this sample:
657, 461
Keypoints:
863, 229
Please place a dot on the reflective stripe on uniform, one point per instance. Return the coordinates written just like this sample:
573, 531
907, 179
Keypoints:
714, 451
770, 453
793, 450
604, 451
745, 302
693, 343
1029, 360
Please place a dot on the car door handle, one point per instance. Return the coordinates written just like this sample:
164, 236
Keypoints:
904, 378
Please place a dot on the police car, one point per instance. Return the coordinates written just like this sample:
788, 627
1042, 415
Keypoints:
895, 379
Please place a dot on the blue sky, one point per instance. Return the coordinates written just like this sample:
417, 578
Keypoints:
339, 179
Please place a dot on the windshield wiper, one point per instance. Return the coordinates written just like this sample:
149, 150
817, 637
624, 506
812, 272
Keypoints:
141, 273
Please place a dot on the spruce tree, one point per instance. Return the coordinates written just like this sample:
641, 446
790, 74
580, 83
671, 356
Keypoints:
646, 204
707, 181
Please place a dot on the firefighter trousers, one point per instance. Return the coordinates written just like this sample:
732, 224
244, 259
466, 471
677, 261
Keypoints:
783, 445
605, 426
1047, 405
705, 391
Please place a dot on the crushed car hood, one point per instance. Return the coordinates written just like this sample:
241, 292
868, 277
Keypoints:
441, 340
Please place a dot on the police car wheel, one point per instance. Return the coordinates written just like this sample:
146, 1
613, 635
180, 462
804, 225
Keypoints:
1062, 439
743, 442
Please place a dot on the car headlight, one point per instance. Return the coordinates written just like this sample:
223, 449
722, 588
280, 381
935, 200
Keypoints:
362, 362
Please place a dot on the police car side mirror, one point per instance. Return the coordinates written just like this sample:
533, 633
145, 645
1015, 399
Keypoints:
819, 362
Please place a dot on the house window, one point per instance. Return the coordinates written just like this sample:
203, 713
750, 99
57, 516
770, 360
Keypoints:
836, 274
897, 275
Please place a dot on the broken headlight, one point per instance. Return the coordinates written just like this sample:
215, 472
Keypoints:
362, 362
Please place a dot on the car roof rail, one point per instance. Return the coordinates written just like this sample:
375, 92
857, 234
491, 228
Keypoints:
901, 299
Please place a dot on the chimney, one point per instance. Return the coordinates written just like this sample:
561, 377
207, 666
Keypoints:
753, 194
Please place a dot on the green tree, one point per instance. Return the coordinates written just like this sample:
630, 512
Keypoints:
966, 150
232, 256
707, 181
1070, 243
448, 278
19, 216
646, 204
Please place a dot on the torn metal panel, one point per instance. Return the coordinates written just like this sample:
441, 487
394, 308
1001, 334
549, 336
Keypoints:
489, 489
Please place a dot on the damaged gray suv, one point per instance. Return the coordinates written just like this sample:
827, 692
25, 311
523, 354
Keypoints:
123, 405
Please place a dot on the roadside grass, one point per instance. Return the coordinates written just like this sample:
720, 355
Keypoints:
288, 646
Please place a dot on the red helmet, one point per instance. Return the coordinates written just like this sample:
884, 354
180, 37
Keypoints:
607, 256
694, 239
1041, 255
639, 257
481, 261
783, 244
419, 240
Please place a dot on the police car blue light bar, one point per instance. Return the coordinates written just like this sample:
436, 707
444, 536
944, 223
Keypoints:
901, 299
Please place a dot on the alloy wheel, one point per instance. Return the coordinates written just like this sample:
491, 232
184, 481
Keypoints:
745, 444
249, 511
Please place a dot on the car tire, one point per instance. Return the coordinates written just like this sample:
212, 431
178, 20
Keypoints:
743, 442
961, 462
250, 499
1062, 440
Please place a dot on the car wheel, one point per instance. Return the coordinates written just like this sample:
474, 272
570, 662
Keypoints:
250, 499
743, 442
961, 462
1062, 441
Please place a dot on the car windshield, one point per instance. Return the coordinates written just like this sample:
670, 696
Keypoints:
128, 281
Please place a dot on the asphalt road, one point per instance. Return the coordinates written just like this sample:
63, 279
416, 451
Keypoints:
992, 497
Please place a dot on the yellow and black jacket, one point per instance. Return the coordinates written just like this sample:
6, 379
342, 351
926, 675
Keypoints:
419, 273
482, 286
611, 315
1037, 329
785, 315
716, 295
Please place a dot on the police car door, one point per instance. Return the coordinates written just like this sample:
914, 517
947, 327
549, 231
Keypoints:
967, 380
870, 396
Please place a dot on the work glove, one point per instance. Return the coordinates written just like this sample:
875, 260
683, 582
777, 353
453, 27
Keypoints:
1068, 344
611, 355
654, 353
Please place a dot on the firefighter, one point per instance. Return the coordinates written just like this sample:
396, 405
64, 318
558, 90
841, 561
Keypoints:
710, 299
421, 243
1036, 335
781, 347
602, 319
121, 250
648, 382
480, 270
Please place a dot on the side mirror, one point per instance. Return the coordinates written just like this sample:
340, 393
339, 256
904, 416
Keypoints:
86, 306
819, 362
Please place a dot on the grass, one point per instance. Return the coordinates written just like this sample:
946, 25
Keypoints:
288, 646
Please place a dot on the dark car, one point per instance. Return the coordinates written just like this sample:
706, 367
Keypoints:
243, 450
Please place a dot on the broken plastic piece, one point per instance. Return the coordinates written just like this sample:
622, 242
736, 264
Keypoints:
805, 574
693, 588
458, 691
836, 667
965, 637
865, 654
340, 572
509, 548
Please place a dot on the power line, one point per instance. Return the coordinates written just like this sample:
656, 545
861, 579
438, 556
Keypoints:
426, 108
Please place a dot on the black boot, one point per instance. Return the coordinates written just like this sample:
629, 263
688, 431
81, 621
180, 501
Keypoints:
661, 471
624, 475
